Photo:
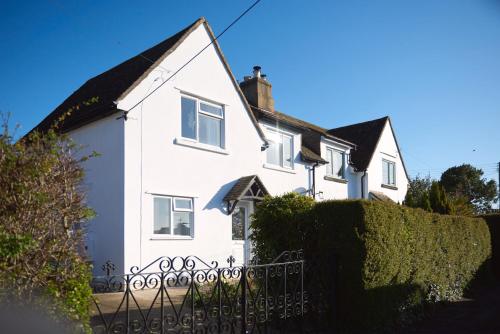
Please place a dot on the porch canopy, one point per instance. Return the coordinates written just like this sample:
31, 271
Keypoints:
248, 188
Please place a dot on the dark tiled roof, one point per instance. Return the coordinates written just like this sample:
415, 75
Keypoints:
366, 136
309, 156
239, 189
111, 85
311, 133
115, 83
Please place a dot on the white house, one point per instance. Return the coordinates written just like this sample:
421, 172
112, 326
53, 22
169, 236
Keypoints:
184, 161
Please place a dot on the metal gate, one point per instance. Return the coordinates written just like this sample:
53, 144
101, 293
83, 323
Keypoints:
189, 295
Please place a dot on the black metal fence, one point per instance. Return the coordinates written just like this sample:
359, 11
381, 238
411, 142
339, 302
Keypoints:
188, 295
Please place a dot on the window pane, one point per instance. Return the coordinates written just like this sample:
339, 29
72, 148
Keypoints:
183, 204
188, 107
338, 164
182, 222
287, 152
210, 130
273, 153
162, 207
238, 218
391, 173
329, 158
385, 172
211, 109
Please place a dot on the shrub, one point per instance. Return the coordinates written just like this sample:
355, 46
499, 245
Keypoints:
493, 221
389, 259
42, 214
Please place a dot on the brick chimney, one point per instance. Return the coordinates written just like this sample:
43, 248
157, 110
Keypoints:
257, 90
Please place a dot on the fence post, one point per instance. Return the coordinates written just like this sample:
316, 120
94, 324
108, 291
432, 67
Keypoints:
192, 301
219, 296
244, 299
127, 315
162, 310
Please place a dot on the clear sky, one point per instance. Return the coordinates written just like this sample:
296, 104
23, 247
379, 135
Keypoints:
433, 66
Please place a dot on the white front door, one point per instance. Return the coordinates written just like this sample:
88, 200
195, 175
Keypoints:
240, 232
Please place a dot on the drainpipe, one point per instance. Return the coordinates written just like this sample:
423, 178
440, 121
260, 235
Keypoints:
363, 184
313, 188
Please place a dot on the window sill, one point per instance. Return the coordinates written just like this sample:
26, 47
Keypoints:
200, 146
388, 186
279, 169
170, 237
334, 179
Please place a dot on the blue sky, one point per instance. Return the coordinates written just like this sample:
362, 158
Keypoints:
432, 66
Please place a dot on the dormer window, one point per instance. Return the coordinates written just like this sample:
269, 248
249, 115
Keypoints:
336, 163
202, 121
280, 150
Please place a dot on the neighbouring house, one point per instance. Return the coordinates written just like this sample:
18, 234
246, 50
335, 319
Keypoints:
181, 169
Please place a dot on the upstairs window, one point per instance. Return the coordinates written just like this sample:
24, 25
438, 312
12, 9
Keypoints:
280, 150
173, 216
202, 121
388, 172
336, 164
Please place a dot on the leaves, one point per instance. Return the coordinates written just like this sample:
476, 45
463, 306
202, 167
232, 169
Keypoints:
42, 215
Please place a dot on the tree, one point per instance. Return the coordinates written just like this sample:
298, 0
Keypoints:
429, 195
417, 195
467, 182
42, 214
438, 199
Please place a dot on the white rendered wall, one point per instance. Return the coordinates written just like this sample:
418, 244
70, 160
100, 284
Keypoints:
387, 149
103, 184
155, 164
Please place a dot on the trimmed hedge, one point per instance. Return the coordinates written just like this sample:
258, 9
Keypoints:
493, 221
389, 259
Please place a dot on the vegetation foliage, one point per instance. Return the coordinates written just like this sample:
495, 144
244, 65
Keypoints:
460, 191
42, 216
493, 221
390, 260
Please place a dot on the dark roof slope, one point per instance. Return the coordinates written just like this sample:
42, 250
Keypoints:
111, 85
115, 83
366, 136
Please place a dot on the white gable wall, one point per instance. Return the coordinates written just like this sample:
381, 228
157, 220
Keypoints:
388, 150
155, 164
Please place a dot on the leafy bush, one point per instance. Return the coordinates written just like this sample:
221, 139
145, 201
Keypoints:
42, 214
390, 259
493, 221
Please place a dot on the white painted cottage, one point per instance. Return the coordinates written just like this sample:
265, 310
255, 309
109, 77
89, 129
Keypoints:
180, 173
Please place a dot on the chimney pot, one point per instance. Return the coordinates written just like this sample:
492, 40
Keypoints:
256, 71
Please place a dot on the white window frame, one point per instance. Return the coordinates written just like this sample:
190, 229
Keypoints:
329, 167
292, 149
389, 162
172, 210
199, 101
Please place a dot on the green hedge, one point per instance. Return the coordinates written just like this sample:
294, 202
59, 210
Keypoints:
389, 259
493, 221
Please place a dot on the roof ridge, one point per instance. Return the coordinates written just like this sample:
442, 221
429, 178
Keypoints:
385, 118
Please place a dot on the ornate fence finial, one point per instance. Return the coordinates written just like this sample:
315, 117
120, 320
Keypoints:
231, 260
108, 267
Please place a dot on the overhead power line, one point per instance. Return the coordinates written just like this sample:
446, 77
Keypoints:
192, 58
